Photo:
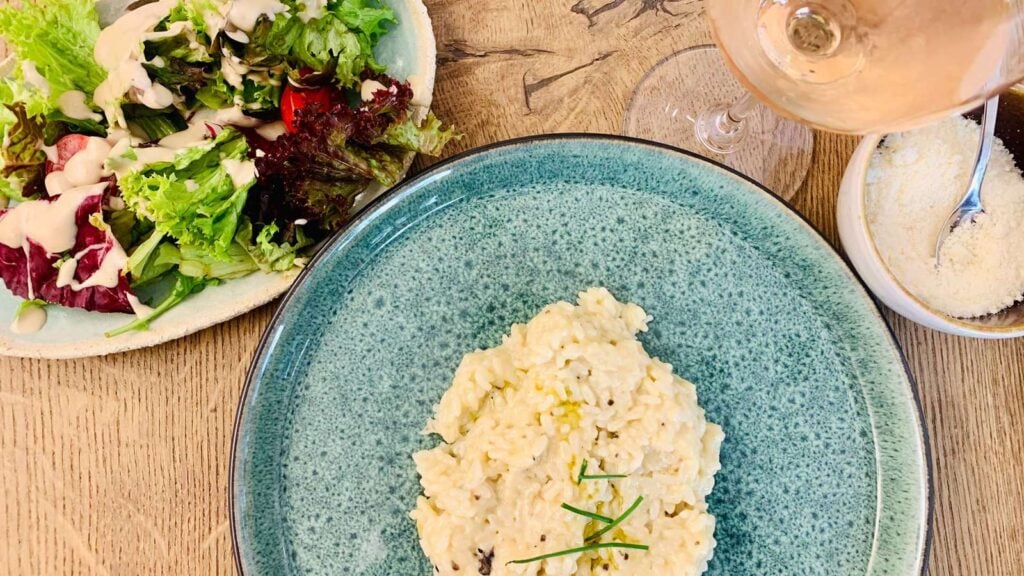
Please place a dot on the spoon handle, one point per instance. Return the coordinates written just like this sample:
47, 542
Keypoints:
970, 204
988, 122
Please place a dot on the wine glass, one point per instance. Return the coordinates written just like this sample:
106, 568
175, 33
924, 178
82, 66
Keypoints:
851, 66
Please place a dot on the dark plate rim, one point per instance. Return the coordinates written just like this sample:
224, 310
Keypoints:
403, 187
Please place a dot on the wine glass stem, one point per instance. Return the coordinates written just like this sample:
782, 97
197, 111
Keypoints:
723, 129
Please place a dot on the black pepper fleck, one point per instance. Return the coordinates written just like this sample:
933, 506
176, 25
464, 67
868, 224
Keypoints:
486, 561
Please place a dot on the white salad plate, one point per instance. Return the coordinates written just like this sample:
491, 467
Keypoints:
408, 51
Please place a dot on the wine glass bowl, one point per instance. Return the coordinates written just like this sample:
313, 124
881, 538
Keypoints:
870, 66
811, 41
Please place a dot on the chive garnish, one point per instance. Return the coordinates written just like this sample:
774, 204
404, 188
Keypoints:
611, 525
587, 514
581, 549
583, 474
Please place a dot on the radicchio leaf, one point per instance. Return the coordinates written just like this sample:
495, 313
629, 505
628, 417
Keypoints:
37, 268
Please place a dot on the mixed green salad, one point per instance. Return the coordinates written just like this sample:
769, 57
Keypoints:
188, 143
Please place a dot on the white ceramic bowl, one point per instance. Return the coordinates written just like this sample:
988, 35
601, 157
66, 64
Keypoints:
861, 250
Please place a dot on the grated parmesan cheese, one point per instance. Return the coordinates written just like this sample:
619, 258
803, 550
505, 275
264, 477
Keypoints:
914, 181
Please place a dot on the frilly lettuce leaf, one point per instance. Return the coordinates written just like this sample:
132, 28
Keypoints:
427, 137
340, 39
58, 37
368, 17
193, 198
157, 256
200, 14
273, 256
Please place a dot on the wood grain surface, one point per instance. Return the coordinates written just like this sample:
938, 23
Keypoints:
118, 465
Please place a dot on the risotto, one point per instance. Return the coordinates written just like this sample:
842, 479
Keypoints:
568, 450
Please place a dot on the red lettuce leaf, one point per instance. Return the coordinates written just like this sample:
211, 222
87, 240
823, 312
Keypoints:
18, 269
316, 171
22, 162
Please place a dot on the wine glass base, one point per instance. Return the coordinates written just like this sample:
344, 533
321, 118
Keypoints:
665, 105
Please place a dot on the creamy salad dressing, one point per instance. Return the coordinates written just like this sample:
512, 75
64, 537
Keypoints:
237, 36
109, 272
244, 14
33, 78
29, 319
206, 121
312, 9
73, 105
86, 167
242, 172
123, 158
122, 39
118, 51
131, 79
138, 308
50, 151
66, 272
367, 89
57, 183
272, 130
233, 69
196, 133
51, 225
175, 29
419, 91
234, 116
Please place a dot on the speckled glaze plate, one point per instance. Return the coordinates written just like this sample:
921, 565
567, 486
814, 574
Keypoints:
824, 465
409, 52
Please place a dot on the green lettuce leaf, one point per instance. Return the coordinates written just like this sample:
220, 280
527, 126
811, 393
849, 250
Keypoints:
184, 286
58, 124
341, 39
196, 13
371, 19
272, 256
127, 228
216, 93
156, 257
14, 90
426, 138
193, 198
154, 124
58, 36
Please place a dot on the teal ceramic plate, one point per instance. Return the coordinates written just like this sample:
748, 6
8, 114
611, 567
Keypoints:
824, 465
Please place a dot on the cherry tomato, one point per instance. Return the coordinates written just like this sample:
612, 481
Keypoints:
293, 99
66, 147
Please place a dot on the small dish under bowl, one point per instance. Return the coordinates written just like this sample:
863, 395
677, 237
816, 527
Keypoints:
851, 216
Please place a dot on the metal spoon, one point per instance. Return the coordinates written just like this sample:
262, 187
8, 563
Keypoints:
970, 206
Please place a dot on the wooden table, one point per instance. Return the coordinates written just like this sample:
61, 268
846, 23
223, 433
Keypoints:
119, 465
